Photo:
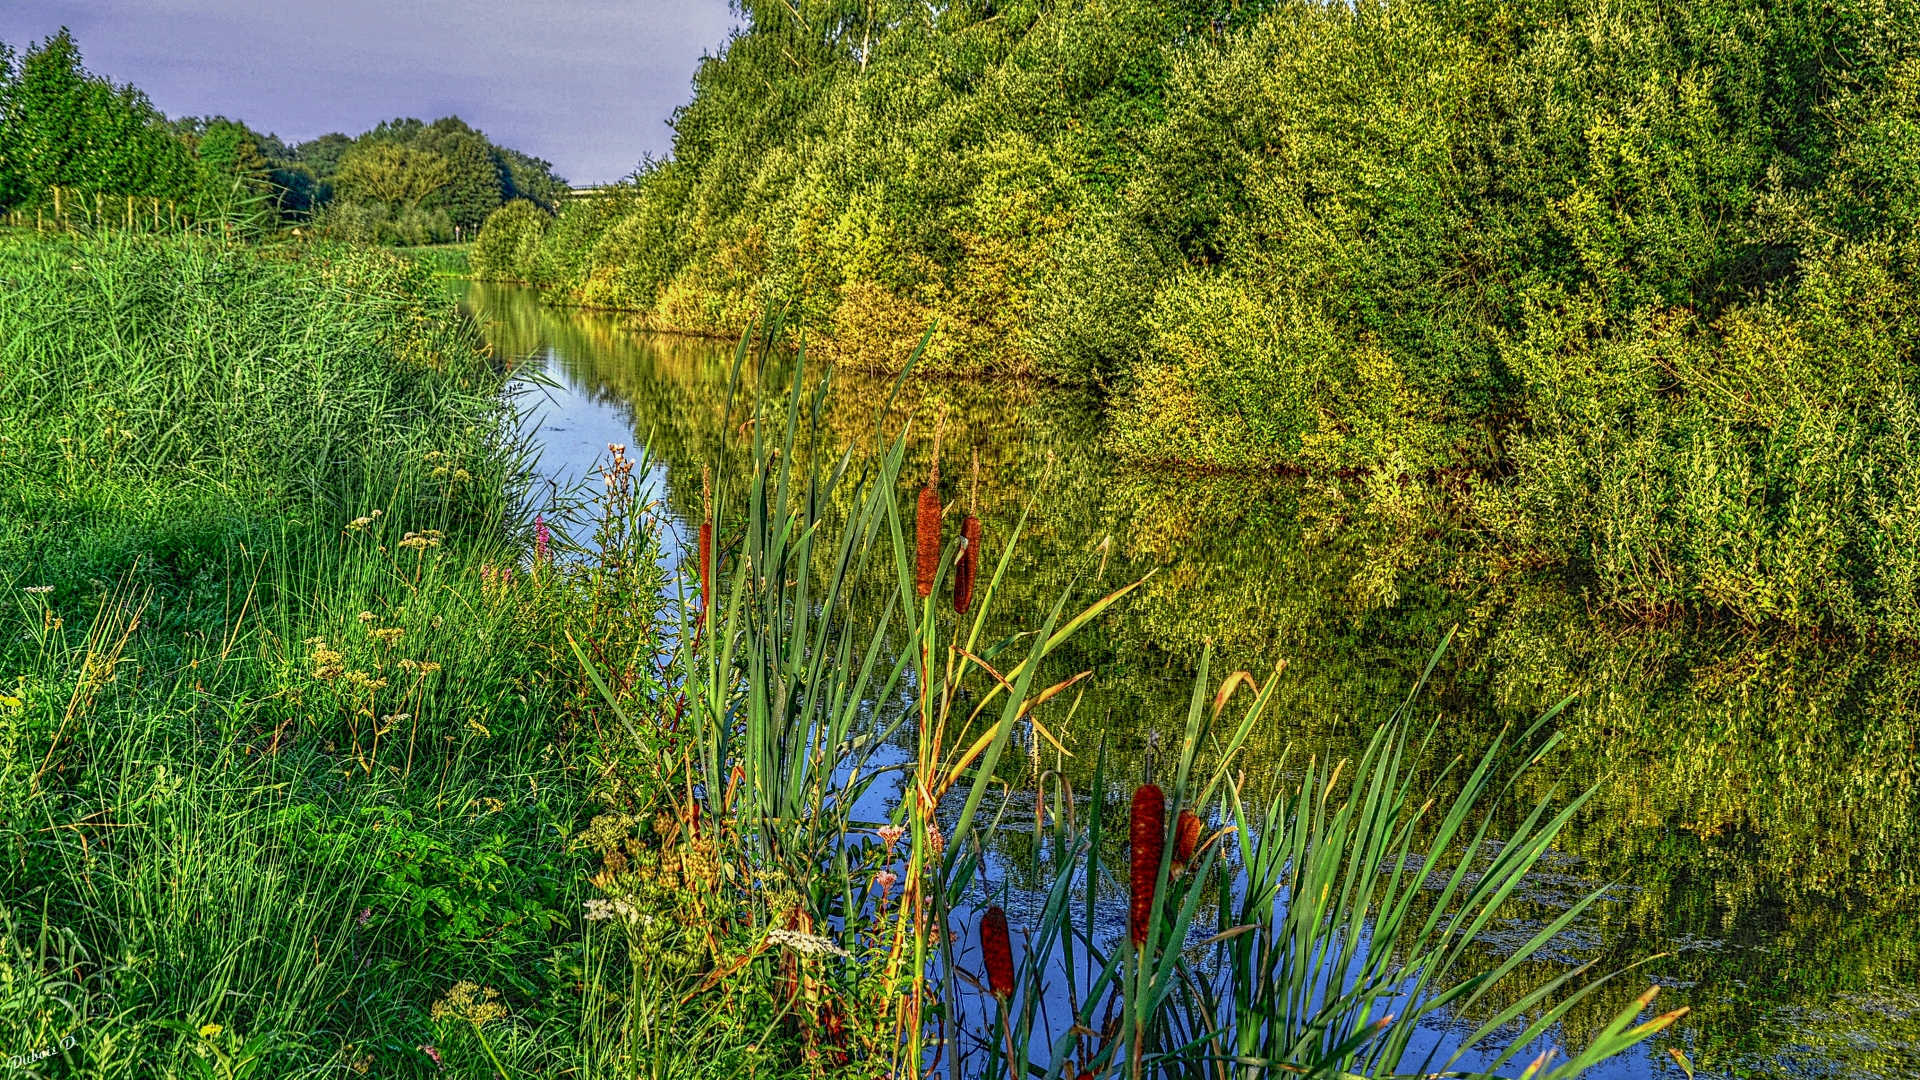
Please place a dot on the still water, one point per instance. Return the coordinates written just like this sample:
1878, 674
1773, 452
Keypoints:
1756, 815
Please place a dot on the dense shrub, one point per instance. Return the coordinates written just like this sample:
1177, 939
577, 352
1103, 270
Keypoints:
1639, 269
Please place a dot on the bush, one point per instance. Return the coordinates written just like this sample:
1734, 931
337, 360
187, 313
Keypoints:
508, 247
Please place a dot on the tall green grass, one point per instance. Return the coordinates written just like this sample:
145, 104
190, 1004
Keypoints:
287, 747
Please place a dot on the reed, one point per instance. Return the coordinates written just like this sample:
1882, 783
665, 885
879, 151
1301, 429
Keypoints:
781, 749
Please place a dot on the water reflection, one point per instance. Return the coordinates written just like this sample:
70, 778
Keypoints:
1756, 798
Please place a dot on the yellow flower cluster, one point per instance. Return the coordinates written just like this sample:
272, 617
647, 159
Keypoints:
476, 1005
328, 663
360, 524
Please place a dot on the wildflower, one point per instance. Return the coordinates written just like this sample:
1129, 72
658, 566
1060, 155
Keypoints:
936, 842
599, 910
365, 914
1147, 836
421, 541
429, 1050
208, 1031
366, 616
997, 947
886, 879
474, 1004
806, 944
387, 635
365, 681
421, 667
890, 834
327, 663
541, 535
481, 728
39, 590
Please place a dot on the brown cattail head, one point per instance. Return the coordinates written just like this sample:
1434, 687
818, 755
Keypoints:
997, 945
1147, 839
968, 565
706, 536
1186, 837
927, 537
706, 562
926, 533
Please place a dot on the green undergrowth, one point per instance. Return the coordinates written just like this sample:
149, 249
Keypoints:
291, 742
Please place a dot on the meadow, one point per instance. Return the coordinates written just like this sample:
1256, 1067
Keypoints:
323, 752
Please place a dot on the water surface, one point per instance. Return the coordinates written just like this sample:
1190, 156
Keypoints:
1756, 800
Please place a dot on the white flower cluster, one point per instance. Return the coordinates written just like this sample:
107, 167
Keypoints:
806, 943
599, 910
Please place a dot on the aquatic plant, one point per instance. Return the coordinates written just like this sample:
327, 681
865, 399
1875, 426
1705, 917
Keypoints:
798, 684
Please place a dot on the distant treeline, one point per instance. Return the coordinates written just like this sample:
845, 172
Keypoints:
1627, 288
79, 145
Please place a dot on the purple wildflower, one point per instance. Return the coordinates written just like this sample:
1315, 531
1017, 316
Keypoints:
540, 537
433, 1053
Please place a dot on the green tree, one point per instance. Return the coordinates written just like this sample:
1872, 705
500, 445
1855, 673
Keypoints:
392, 174
70, 129
13, 182
478, 181
323, 155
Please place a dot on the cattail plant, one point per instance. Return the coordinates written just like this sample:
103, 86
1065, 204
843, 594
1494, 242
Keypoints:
1147, 841
997, 946
969, 563
927, 529
1186, 837
706, 536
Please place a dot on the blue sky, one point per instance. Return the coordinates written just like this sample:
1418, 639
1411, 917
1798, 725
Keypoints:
586, 84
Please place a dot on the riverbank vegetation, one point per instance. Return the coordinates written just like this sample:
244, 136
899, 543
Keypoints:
319, 756
80, 151
1621, 291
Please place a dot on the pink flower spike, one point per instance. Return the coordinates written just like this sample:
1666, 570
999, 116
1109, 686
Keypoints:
541, 534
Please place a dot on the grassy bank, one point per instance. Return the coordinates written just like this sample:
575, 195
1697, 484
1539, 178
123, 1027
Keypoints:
285, 753
317, 757
1616, 289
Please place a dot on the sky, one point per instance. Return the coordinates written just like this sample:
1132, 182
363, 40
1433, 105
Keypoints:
585, 84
